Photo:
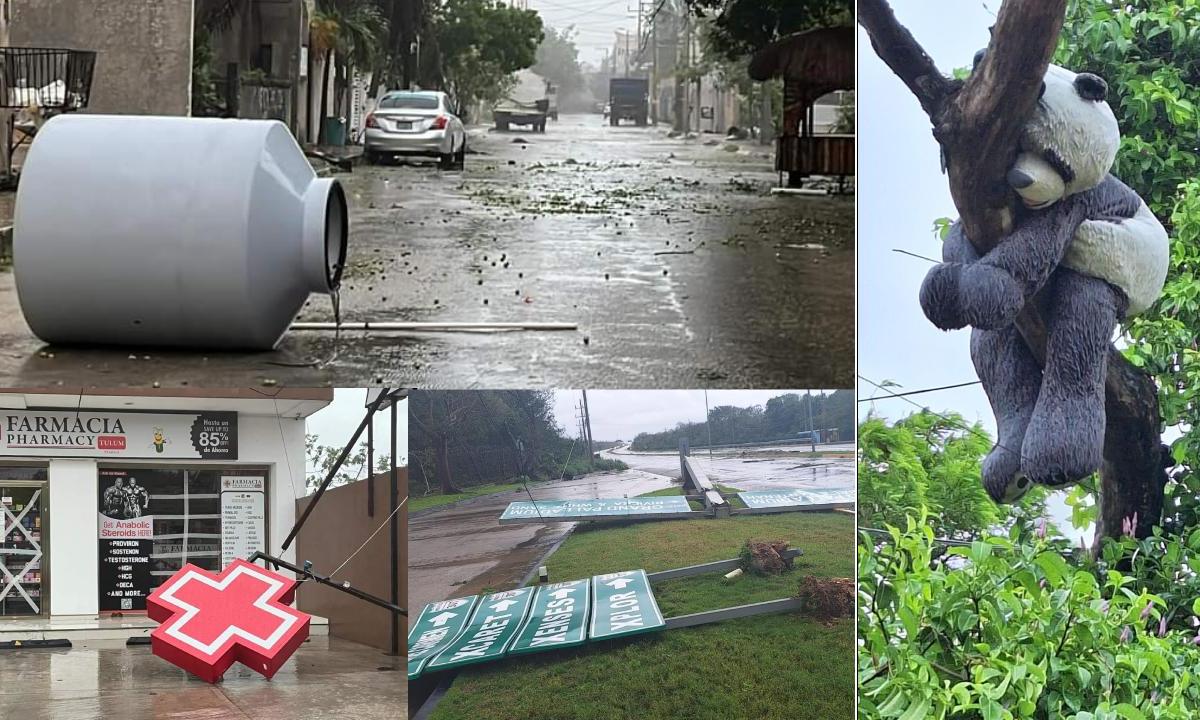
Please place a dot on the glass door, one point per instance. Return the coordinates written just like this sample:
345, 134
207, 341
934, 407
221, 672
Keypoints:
23, 535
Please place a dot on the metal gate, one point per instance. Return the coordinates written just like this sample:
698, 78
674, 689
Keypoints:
23, 535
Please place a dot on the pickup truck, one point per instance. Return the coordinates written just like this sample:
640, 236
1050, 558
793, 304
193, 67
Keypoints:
528, 103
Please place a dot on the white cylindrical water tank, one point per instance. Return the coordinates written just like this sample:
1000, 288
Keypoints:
166, 231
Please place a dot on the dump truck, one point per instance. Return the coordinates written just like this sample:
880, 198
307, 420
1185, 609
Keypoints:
628, 99
528, 103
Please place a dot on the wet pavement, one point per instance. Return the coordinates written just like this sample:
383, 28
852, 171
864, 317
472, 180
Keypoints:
761, 468
326, 678
463, 549
678, 266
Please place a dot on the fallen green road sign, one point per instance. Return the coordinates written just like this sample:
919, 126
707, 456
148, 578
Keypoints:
436, 627
622, 604
496, 620
558, 618
765, 499
595, 509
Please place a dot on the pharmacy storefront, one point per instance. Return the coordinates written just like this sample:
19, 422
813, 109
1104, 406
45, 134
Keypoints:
103, 497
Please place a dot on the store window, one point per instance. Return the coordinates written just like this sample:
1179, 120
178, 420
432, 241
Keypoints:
23, 536
153, 521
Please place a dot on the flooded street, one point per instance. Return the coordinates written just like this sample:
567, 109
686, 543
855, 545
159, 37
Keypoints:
463, 549
677, 265
761, 468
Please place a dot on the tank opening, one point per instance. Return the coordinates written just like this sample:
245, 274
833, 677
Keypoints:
337, 231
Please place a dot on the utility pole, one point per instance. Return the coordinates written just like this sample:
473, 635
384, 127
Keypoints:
708, 423
587, 419
680, 28
654, 67
812, 431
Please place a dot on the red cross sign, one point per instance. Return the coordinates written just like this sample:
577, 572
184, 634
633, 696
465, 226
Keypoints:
209, 621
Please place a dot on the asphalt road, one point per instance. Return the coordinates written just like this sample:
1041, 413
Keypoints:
463, 549
569, 226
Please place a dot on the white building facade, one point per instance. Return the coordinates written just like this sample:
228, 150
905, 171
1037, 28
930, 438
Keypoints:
105, 494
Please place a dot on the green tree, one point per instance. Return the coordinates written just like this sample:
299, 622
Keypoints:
1149, 53
740, 27
479, 45
347, 34
926, 463
558, 62
320, 460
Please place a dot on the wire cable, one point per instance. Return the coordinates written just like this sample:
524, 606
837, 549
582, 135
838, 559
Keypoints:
920, 392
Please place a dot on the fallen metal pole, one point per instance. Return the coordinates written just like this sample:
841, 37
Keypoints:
712, 567
733, 613
344, 586
336, 466
433, 326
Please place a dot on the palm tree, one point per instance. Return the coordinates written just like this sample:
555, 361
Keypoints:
350, 33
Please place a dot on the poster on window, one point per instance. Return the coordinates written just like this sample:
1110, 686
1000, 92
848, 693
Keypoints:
126, 533
203, 435
243, 517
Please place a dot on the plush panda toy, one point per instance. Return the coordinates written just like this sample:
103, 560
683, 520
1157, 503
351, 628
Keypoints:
1103, 256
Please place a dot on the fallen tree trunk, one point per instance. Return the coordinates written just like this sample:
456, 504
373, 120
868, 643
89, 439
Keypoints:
978, 124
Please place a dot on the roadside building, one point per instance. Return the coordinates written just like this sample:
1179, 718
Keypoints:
106, 493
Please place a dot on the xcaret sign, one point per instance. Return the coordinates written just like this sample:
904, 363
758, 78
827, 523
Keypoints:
209, 621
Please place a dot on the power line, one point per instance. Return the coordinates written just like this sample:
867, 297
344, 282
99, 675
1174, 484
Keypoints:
918, 392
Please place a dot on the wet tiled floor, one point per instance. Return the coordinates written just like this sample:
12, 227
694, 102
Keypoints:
327, 678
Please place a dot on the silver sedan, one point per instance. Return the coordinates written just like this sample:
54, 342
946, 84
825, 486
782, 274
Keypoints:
415, 123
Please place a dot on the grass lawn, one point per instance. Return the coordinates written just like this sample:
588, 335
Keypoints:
772, 667
428, 501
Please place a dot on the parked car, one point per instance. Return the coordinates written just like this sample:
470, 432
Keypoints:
411, 123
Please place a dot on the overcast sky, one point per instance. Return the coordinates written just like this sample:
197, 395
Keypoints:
622, 414
336, 423
596, 22
901, 192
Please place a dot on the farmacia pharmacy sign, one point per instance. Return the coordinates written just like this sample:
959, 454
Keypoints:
204, 435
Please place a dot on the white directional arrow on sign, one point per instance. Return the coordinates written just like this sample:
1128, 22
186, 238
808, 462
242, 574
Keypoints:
503, 605
562, 593
440, 620
619, 583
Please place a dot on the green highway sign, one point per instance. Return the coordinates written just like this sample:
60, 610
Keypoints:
558, 618
436, 627
585, 509
791, 498
622, 604
496, 620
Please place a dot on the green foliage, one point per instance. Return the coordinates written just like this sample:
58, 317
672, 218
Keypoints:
558, 62
465, 438
925, 461
740, 27
320, 460
1149, 53
1009, 628
782, 417
482, 43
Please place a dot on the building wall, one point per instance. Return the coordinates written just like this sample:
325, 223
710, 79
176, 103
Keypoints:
74, 485
144, 48
337, 527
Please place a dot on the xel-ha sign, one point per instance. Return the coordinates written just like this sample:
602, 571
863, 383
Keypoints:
438, 625
209, 621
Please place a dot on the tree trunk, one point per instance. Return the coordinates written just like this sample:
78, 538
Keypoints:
443, 459
766, 122
978, 124
321, 134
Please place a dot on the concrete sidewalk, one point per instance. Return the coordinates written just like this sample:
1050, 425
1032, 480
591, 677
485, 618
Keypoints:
326, 678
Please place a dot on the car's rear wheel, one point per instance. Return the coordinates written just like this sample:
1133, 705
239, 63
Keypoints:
460, 157
446, 161
371, 157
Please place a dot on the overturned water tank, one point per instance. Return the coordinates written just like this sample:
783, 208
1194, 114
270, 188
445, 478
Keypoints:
172, 232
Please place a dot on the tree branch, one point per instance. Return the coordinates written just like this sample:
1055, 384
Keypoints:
978, 124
